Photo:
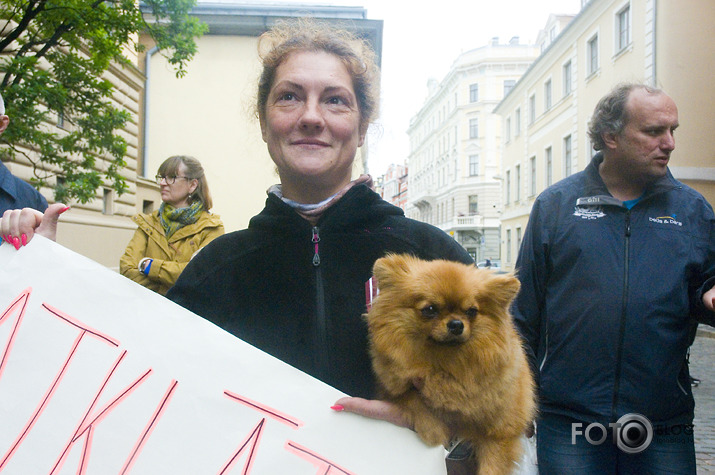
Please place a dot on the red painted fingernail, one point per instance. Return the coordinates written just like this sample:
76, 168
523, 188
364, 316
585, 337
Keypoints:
62, 211
337, 407
16, 243
24, 239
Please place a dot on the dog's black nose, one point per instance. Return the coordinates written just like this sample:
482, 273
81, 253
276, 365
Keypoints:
455, 327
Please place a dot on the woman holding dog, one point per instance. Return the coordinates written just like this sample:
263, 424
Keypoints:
294, 283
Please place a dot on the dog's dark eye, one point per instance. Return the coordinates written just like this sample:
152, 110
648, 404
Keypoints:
472, 312
430, 311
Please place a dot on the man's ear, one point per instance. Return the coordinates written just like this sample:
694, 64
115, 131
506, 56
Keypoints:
610, 139
4, 120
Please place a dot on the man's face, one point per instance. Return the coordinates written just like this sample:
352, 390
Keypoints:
642, 149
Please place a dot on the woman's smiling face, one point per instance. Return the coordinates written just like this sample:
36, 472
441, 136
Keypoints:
311, 124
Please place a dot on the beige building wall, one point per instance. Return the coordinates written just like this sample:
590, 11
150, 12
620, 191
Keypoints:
685, 67
670, 46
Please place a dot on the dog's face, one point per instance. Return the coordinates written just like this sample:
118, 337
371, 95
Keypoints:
446, 302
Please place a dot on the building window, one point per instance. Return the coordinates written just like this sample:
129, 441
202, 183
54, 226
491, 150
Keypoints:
547, 95
532, 109
623, 28
592, 50
509, 85
567, 78
568, 166
517, 122
473, 165
508, 186
474, 93
507, 129
549, 160
473, 128
473, 204
107, 201
508, 245
517, 184
532, 176
518, 239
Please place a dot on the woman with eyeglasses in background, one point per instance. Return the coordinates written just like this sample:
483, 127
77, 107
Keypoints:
167, 239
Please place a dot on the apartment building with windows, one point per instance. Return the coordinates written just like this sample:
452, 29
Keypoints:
392, 185
454, 160
610, 41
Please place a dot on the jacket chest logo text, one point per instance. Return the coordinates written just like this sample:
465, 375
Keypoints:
666, 220
589, 212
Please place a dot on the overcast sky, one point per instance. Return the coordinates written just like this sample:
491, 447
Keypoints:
421, 42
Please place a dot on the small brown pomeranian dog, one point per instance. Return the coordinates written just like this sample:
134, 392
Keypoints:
444, 349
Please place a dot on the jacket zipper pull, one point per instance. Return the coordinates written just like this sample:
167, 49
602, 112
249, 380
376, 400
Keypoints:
316, 240
628, 223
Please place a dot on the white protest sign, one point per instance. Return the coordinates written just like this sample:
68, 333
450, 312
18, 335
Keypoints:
101, 376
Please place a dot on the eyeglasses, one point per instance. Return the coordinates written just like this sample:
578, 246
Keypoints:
170, 180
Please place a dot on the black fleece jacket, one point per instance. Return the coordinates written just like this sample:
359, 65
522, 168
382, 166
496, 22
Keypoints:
297, 291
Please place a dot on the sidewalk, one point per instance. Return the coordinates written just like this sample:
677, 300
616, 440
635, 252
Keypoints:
702, 366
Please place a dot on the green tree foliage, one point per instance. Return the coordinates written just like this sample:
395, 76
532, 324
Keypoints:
53, 55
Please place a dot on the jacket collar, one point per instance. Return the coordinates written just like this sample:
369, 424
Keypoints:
597, 192
359, 205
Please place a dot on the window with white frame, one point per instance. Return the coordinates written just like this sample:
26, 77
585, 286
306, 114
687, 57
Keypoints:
592, 51
549, 162
518, 239
623, 28
473, 205
517, 182
473, 165
517, 122
474, 93
568, 156
532, 176
473, 128
508, 186
547, 95
532, 109
567, 78
507, 129
508, 245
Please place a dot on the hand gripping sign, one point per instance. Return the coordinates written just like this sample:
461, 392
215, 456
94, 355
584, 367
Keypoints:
100, 375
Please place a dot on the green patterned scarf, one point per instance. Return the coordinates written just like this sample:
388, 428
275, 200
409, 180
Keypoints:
172, 219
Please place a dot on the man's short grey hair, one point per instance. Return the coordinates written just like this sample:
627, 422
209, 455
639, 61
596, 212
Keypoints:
610, 115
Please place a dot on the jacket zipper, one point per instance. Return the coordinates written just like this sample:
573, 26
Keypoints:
624, 309
321, 339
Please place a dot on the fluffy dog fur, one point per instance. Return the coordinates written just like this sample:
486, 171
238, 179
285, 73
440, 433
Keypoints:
444, 348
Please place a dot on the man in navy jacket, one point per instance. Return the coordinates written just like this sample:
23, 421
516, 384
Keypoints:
15, 193
617, 267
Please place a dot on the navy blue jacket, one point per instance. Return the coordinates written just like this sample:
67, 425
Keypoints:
16, 194
609, 297
298, 291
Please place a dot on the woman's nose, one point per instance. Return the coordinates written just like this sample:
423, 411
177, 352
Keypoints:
312, 116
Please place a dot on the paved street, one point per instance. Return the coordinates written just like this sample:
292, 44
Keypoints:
702, 366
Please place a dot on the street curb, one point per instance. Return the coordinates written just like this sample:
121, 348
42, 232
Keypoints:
706, 332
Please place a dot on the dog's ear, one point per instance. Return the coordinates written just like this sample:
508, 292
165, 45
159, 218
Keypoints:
391, 269
503, 288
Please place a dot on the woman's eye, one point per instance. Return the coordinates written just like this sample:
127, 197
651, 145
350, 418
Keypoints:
338, 101
287, 96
